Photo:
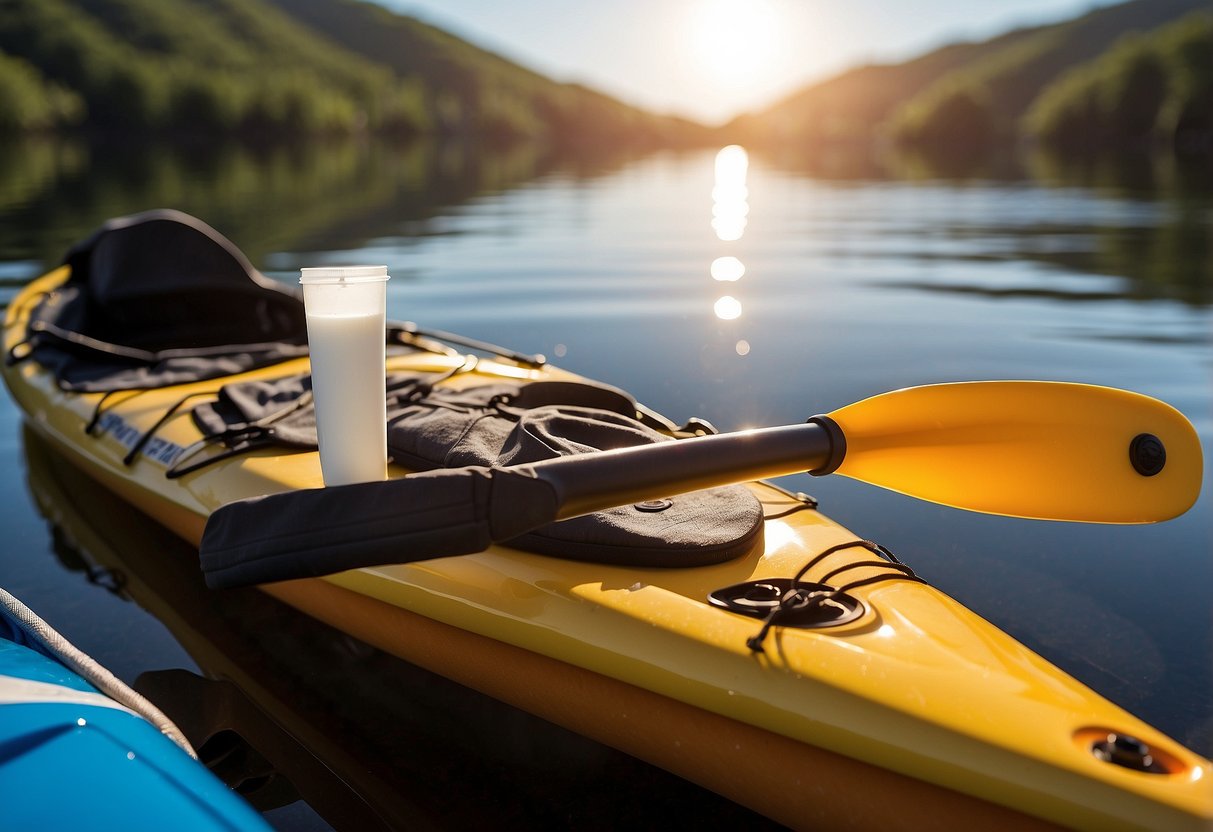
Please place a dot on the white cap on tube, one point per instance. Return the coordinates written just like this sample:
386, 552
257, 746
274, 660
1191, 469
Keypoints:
342, 274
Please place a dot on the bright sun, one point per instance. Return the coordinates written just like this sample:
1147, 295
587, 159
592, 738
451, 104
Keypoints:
734, 40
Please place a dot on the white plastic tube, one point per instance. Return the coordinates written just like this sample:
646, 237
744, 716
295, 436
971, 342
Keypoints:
346, 308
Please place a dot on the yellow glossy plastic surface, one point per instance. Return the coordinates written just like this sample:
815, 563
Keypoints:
918, 685
1051, 451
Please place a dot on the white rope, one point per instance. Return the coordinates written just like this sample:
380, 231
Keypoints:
50, 640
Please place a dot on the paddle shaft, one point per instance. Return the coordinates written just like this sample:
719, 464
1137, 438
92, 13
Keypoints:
584, 484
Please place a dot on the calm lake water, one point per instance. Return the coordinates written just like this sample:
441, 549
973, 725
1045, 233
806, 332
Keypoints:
748, 290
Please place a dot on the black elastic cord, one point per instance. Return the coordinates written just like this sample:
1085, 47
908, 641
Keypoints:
11, 358
900, 567
243, 444
850, 544
239, 439
875, 579
804, 502
304, 400
249, 436
176, 469
798, 596
95, 419
129, 459
150, 358
410, 329
409, 390
78, 339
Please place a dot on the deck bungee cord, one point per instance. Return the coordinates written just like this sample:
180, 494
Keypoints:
799, 597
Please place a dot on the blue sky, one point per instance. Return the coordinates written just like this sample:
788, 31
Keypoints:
711, 59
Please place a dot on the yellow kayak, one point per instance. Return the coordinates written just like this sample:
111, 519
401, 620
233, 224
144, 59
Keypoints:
905, 710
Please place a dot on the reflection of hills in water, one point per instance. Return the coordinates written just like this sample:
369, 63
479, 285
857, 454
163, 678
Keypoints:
309, 195
292, 706
1150, 237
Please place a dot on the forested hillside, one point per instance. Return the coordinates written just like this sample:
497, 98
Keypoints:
282, 68
470, 90
1148, 87
967, 95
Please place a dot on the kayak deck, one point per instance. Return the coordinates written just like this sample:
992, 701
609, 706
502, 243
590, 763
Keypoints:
916, 685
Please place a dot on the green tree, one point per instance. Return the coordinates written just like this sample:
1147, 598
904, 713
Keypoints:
1130, 89
955, 114
1187, 114
29, 102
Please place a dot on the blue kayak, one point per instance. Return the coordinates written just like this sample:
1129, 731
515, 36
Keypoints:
80, 749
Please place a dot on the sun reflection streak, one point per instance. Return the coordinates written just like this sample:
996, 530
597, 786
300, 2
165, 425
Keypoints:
728, 308
727, 269
732, 161
730, 207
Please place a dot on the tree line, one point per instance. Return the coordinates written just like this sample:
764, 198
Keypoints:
1146, 89
1126, 75
281, 68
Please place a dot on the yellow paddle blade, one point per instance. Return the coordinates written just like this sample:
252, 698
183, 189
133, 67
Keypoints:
1045, 450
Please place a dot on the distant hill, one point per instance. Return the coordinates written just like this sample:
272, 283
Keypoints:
971, 93
472, 91
284, 68
1145, 89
